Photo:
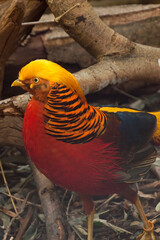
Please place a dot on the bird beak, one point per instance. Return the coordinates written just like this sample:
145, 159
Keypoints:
17, 83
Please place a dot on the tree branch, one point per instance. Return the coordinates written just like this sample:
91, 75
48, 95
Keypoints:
127, 72
10, 26
123, 60
56, 224
136, 22
83, 24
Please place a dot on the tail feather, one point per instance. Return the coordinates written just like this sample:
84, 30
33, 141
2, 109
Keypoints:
139, 165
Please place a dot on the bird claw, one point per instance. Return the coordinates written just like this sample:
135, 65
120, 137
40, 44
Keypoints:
148, 234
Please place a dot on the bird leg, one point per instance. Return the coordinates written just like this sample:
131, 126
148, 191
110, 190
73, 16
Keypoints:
90, 224
89, 210
148, 226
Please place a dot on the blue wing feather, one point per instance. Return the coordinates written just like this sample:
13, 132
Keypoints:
136, 128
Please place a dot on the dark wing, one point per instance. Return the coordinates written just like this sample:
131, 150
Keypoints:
132, 136
139, 165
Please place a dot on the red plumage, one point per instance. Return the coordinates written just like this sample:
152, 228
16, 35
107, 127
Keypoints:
88, 169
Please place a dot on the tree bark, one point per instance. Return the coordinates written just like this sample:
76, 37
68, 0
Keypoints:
127, 72
11, 118
123, 60
121, 2
56, 224
12, 14
9, 29
138, 23
83, 24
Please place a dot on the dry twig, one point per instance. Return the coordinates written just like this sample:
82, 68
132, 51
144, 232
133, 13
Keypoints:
6, 184
23, 200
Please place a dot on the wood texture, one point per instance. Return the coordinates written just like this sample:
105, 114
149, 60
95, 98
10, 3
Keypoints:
9, 29
12, 13
139, 23
124, 61
84, 25
56, 225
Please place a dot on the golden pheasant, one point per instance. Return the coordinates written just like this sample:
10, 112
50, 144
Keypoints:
91, 151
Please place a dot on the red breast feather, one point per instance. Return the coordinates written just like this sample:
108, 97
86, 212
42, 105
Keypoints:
88, 168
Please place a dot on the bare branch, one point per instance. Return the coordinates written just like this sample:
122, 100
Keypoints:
124, 61
12, 14
84, 25
56, 224
129, 72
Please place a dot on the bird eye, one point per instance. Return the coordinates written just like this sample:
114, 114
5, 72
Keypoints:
35, 80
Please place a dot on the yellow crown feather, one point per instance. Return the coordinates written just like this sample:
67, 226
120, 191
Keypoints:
53, 73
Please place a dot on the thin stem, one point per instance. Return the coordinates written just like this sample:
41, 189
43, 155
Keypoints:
6, 184
90, 224
23, 200
63, 14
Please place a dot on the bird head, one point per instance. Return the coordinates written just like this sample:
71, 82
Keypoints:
39, 76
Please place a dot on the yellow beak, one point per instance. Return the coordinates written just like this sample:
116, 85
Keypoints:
17, 83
